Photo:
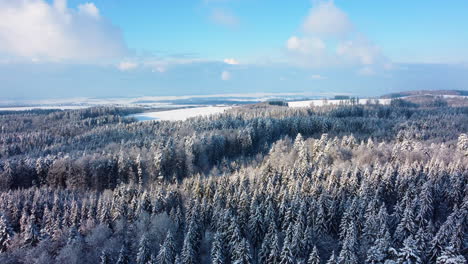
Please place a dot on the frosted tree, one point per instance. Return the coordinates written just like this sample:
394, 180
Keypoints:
123, 257
314, 257
462, 143
332, 259
378, 252
450, 256
6, 233
144, 250
31, 233
255, 226
406, 227
167, 250
287, 256
217, 256
348, 251
409, 254
275, 252
242, 254
105, 258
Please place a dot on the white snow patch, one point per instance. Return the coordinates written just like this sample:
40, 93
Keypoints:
321, 102
180, 114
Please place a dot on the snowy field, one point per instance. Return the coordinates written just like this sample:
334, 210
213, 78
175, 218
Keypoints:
321, 102
180, 114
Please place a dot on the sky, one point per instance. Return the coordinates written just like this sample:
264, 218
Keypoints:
114, 48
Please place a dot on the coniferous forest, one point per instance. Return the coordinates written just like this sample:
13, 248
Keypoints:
259, 183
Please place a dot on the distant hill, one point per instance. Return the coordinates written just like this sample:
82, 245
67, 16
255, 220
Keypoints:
434, 98
425, 93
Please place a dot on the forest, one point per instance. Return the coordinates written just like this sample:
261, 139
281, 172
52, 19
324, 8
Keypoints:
261, 183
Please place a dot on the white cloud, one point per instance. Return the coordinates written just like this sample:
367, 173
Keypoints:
89, 9
359, 50
305, 45
225, 18
54, 32
231, 61
330, 40
225, 76
127, 66
327, 19
318, 77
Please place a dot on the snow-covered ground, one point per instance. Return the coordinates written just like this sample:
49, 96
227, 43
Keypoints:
321, 102
180, 114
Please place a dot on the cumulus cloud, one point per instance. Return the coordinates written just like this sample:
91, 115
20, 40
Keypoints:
223, 17
359, 50
327, 19
225, 76
127, 66
89, 9
53, 31
330, 39
307, 45
231, 61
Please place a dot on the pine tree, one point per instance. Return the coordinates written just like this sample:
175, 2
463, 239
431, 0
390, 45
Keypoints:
31, 233
406, 227
332, 259
314, 257
287, 256
242, 253
256, 226
450, 256
409, 253
378, 252
275, 252
167, 251
124, 257
348, 251
144, 250
217, 256
189, 253
6, 233
105, 258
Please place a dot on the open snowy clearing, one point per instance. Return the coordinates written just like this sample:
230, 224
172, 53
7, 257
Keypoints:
321, 102
180, 114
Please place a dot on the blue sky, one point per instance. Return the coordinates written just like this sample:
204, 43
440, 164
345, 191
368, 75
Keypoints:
153, 47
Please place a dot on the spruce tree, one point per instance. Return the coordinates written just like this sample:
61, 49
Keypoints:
242, 253
144, 250
167, 252
217, 256
348, 251
6, 233
123, 257
105, 258
314, 257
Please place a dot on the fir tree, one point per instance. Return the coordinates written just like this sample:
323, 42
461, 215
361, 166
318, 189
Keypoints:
332, 259
348, 251
242, 253
409, 253
123, 257
105, 258
167, 250
314, 257
6, 233
144, 251
450, 256
217, 256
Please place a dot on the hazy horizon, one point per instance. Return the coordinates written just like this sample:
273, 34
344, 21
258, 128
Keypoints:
65, 49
